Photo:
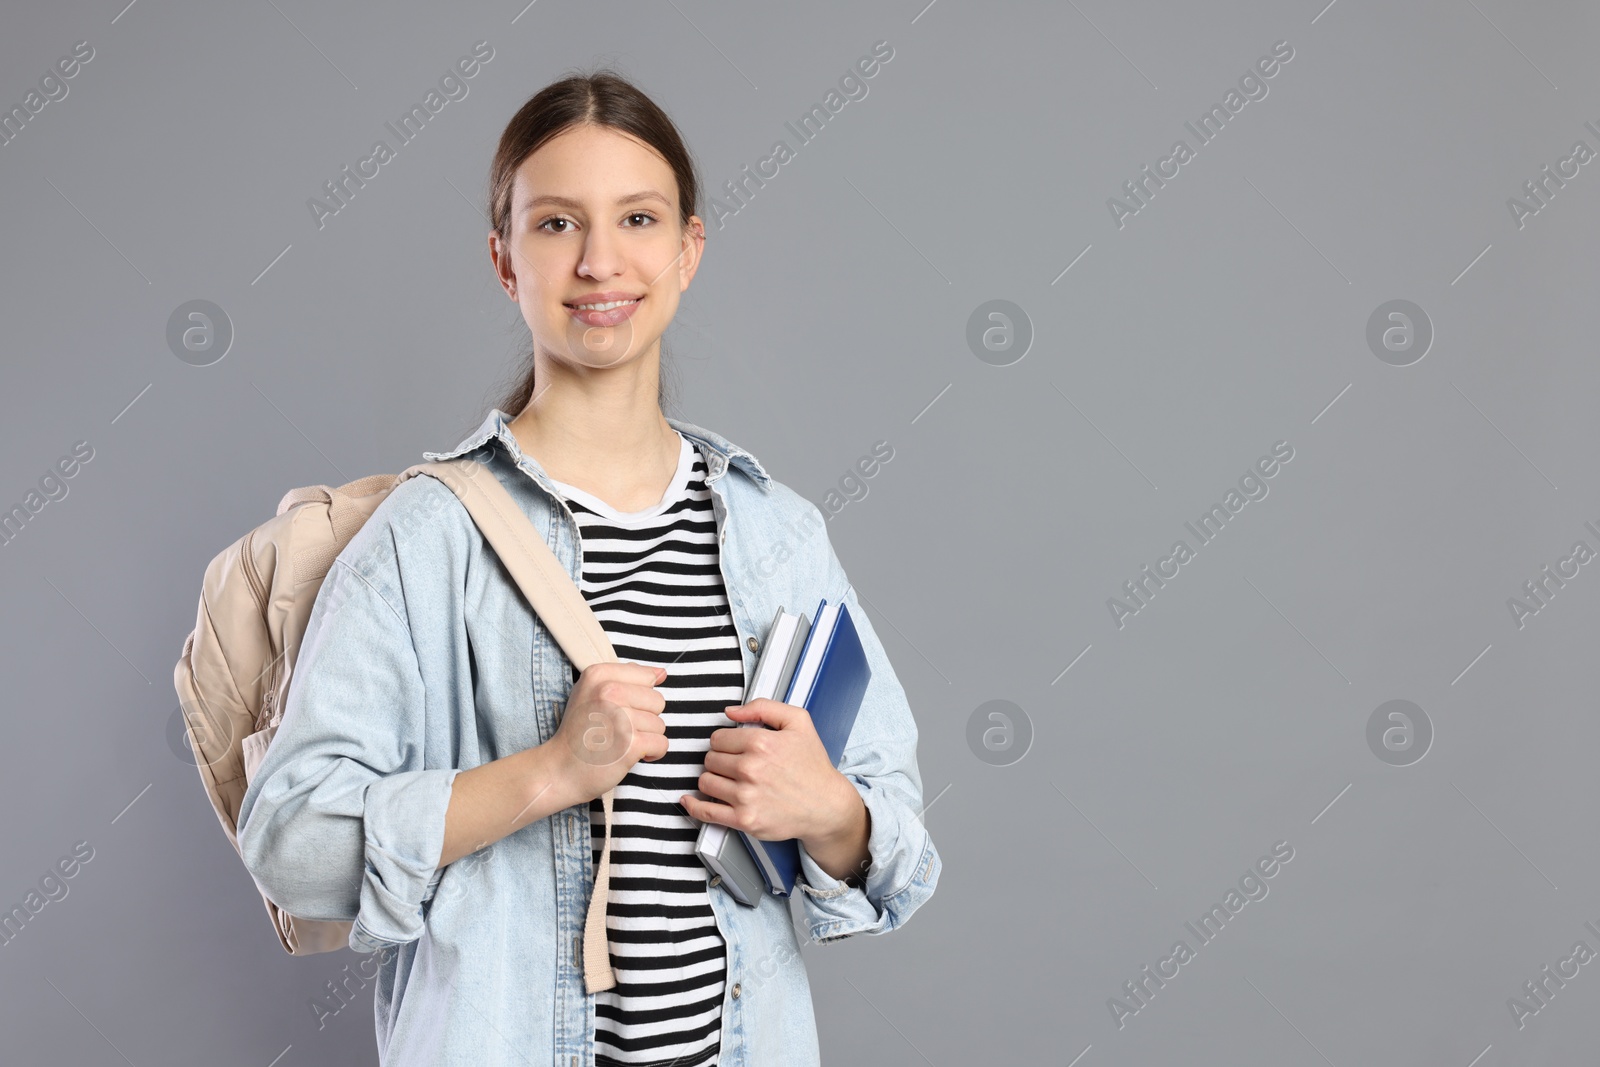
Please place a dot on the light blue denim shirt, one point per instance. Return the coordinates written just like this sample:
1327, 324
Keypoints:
421, 659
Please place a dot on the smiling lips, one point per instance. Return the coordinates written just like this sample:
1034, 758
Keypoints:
603, 309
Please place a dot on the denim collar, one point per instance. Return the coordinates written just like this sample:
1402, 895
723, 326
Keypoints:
721, 452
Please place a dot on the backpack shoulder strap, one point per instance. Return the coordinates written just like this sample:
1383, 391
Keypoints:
567, 615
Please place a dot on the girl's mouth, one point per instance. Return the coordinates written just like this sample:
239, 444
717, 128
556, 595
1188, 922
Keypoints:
609, 313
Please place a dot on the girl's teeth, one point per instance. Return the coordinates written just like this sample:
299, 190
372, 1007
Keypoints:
604, 307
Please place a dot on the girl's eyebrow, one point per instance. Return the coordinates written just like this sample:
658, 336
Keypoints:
568, 202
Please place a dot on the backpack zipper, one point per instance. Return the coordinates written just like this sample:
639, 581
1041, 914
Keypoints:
258, 589
248, 559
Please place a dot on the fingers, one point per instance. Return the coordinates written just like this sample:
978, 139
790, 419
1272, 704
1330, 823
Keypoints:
625, 713
628, 671
625, 672
625, 694
649, 734
652, 747
709, 811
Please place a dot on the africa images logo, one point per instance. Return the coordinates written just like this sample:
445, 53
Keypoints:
1142, 588
1252, 86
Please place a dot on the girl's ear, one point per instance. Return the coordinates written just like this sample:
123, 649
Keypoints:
694, 243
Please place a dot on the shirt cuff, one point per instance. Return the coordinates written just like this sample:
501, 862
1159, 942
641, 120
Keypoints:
903, 868
403, 820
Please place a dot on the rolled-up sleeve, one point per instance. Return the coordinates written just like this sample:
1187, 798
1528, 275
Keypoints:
880, 760
342, 821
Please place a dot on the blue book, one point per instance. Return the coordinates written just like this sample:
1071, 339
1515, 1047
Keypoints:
829, 681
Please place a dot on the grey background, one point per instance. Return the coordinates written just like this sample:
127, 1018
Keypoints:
830, 313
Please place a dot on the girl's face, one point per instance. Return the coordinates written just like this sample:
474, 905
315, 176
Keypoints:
594, 220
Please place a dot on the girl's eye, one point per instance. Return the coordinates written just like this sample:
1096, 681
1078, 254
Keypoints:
568, 222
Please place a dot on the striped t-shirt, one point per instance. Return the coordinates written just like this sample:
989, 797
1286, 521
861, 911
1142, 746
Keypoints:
653, 580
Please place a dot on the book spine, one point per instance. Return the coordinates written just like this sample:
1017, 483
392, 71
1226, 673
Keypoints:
768, 870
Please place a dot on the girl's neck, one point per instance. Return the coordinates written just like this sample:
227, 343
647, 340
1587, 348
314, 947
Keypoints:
611, 442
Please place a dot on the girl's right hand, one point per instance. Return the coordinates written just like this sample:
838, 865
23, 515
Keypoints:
612, 720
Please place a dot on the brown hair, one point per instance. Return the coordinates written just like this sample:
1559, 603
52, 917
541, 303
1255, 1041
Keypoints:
602, 98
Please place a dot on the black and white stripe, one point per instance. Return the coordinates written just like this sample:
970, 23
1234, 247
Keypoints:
653, 580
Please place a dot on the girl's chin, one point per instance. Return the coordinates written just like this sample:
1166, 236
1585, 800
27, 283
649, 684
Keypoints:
595, 347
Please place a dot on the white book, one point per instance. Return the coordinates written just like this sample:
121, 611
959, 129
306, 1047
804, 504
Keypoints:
720, 848
806, 673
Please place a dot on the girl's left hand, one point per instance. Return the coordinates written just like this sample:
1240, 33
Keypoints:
773, 784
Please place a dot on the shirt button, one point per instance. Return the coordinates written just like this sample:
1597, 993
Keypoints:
752, 644
736, 991
716, 880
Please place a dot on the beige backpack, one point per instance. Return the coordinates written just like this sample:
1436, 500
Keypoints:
234, 671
